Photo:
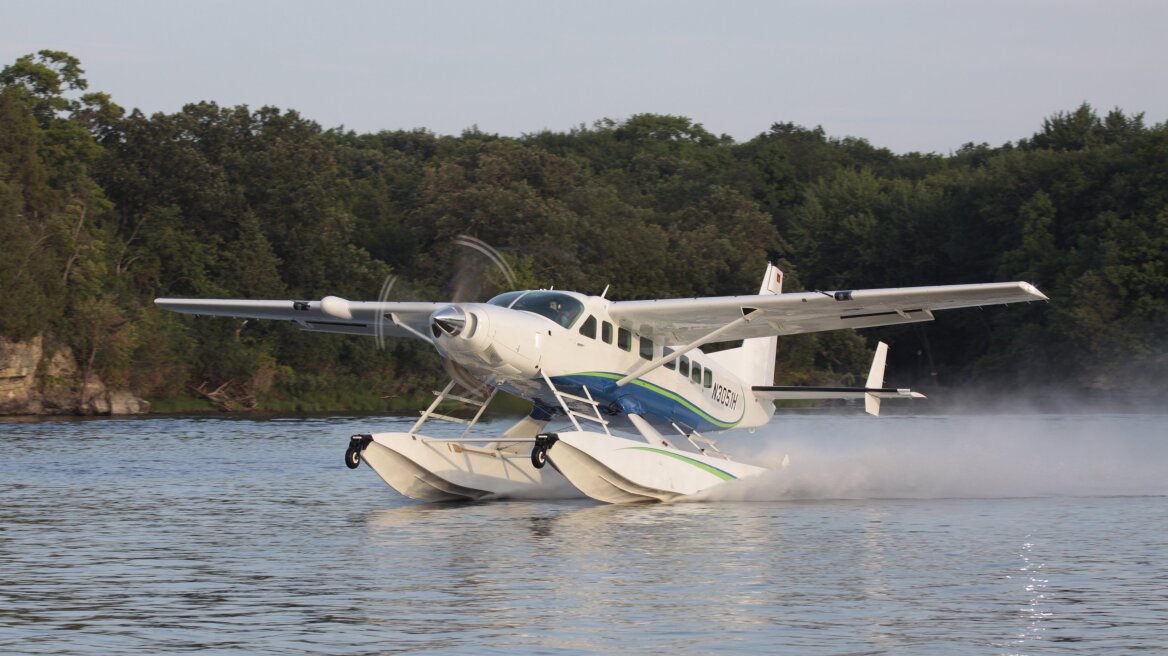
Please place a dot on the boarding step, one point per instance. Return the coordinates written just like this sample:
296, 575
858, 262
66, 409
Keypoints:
581, 399
589, 417
697, 440
573, 415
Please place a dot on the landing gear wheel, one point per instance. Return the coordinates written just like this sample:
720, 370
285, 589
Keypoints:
357, 444
352, 458
543, 442
539, 456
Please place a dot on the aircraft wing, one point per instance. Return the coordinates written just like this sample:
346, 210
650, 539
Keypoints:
683, 320
328, 315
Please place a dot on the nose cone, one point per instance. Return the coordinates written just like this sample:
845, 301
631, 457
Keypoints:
450, 320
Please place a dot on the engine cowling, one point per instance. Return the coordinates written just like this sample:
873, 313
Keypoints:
489, 339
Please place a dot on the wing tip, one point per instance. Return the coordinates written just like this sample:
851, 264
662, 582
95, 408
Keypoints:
1033, 291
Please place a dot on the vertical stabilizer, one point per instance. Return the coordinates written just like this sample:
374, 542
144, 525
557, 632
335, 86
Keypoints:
876, 380
754, 361
772, 281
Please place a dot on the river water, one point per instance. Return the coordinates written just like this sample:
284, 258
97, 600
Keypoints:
1005, 534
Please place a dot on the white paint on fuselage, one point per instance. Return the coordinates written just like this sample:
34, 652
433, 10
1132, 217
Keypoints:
516, 348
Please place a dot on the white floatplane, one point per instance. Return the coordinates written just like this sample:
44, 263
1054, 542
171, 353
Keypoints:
604, 366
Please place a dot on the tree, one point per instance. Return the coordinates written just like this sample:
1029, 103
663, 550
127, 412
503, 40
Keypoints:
1035, 258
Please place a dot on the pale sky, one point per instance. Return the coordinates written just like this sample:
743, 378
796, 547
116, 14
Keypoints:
923, 75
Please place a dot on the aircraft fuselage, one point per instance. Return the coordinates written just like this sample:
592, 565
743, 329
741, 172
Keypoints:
571, 339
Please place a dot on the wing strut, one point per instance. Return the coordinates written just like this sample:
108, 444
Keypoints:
747, 315
405, 326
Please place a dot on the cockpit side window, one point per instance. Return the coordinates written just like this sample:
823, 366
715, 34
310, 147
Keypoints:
557, 306
672, 364
588, 328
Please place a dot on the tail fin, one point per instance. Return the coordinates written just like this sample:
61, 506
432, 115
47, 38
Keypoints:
876, 379
754, 361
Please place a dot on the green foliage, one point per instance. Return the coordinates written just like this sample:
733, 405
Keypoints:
101, 211
27, 284
46, 76
840, 357
51, 211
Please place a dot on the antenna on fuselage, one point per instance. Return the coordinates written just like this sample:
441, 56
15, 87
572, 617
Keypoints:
604, 292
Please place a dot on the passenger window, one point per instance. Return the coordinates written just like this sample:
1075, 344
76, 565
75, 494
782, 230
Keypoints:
708, 380
588, 328
696, 373
606, 332
646, 348
624, 339
672, 364
683, 368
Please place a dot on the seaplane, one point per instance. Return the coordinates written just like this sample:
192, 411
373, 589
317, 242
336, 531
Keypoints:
634, 396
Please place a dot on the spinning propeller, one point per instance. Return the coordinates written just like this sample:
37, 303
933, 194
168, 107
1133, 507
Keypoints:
472, 282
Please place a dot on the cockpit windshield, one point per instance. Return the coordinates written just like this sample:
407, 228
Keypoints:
557, 306
506, 299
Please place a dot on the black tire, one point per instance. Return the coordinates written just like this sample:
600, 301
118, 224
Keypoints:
352, 458
538, 457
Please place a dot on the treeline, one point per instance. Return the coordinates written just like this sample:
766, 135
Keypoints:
102, 210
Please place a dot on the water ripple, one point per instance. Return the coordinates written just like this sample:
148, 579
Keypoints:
239, 536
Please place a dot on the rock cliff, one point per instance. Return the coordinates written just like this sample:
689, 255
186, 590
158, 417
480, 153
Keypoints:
33, 384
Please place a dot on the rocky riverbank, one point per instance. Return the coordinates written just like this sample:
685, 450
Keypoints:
36, 381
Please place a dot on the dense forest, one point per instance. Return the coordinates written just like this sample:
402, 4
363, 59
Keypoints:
102, 210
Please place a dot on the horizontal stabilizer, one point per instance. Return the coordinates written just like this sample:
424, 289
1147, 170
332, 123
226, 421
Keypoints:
872, 392
814, 393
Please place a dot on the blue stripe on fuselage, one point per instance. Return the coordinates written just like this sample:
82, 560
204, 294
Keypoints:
658, 405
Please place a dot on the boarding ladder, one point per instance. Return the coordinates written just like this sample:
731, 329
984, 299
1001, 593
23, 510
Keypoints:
446, 394
587, 401
697, 440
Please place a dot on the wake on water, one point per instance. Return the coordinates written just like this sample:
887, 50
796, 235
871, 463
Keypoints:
950, 456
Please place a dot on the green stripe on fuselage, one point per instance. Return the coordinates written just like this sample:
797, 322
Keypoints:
724, 475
